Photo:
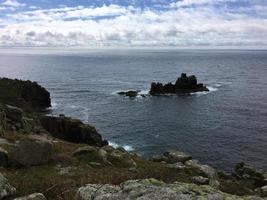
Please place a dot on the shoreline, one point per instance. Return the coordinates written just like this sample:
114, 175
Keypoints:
60, 148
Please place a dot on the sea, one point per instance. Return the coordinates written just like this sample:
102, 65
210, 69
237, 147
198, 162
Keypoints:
221, 127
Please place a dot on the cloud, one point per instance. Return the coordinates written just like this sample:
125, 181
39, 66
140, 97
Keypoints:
199, 2
12, 3
116, 25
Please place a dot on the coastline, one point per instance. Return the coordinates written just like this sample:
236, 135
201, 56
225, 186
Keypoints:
62, 147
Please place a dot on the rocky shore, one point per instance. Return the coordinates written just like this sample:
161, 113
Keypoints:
57, 157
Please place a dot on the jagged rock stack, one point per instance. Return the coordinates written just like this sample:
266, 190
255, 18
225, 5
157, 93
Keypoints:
184, 84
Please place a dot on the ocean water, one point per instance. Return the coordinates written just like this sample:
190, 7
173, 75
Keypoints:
221, 127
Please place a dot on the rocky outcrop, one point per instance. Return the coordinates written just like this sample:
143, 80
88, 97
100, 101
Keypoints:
183, 161
130, 93
24, 94
207, 170
172, 157
6, 190
247, 172
30, 152
72, 130
106, 155
184, 84
35, 196
152, 189
13, 118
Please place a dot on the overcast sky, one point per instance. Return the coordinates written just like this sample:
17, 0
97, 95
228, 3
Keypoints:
131, 23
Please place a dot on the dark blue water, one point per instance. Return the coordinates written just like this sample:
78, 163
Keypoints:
221, 128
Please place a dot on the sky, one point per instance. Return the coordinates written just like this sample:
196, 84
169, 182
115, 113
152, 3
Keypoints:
133, 23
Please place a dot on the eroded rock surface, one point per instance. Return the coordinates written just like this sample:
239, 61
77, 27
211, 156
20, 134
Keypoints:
149, 189
184, 84
30, 152
23, 94
35, 196
72, 130
6, 190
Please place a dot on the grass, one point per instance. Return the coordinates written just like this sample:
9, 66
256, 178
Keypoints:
54, 185
48, 180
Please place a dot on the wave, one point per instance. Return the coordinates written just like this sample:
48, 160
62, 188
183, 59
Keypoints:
53, 105
126, 147
213, 88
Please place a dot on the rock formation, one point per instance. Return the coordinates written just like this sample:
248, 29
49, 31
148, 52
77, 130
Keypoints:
40, 153
130, 93
24, 94
152, 189
72, 130
184, 84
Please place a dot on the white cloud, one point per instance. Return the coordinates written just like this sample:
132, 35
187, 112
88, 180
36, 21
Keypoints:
12, 3
127, 26
199, 2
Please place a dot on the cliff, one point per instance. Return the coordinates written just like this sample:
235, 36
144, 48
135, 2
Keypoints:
48, 157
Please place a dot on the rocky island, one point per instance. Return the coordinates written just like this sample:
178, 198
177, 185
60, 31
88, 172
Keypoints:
57, 157
183, 85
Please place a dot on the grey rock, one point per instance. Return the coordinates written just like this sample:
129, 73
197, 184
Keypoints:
14, 113
172, 157
151, 189
31, 151
177, 156
85, 151
178, 166
6, 190
108, 148
264, 191
35, 196
200, 180
205, 169
121, 158
28, 124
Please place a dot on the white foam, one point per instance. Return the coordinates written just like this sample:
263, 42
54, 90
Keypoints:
53, 105
212, 89
126, 147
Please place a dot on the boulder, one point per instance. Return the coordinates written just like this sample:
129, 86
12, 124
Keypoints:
200, 180
207, 170
130, 93
35, 196
172, 157
178, 166
6, 190
182, 85
14, 113
30, 152
90, 154
121, 158
72, 130
263, 191
115, 157
3, 157
25, 94
247, 172
177, 156
149, 189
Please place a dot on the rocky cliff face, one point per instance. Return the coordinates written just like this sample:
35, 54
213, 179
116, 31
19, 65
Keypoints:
72, 130
25, 94
184, 84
